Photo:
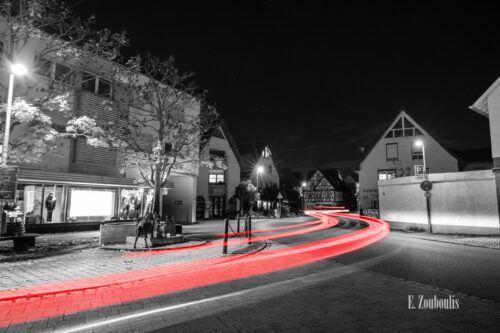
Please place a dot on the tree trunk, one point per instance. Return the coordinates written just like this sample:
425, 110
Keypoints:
156, 204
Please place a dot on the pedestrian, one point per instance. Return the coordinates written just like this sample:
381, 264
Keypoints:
50, 205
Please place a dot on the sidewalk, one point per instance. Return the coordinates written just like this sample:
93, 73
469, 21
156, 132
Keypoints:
95, 261
492, 242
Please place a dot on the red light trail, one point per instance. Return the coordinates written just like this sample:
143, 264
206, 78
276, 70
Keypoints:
41, 301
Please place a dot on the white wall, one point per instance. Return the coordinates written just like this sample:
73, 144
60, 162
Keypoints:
437, 160
494, 117
461, 202
180, 202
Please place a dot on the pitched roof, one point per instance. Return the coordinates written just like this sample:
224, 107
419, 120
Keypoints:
481, 105
332, 176
390, 127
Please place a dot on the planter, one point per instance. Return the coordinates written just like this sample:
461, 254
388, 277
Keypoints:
116, 233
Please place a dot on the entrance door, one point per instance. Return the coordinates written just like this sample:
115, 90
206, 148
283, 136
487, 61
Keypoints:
218, 206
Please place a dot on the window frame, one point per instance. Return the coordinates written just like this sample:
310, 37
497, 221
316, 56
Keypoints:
386, 152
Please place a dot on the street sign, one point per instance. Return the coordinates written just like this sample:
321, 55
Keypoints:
8, 183
426, 185
418, 170
279, 197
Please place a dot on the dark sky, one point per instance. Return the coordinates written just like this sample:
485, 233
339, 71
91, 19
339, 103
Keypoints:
316, 80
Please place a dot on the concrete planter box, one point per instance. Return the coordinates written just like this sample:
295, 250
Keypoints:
116, 233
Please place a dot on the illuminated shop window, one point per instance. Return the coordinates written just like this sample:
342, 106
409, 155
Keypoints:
92, 204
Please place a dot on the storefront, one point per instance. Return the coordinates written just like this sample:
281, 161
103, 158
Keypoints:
56, 198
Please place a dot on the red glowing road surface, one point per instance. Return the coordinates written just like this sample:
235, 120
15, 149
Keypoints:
41, 301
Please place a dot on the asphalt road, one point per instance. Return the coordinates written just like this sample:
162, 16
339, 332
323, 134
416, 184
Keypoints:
469, 270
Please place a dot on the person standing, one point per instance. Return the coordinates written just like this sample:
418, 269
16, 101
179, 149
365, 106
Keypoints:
50, 205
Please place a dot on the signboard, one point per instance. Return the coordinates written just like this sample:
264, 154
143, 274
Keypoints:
426, 185
279, 197
418, 170
178, 202
8, 183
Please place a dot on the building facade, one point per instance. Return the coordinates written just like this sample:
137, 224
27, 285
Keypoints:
396, 154
488, 105
326, 188
215, 185
80, 185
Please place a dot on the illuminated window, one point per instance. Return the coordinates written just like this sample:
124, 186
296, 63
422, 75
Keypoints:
216, 178
91, 204
391, 151
386, 174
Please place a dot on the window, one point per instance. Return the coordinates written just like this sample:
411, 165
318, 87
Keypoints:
403, 127
96, 85
2, 47
386, 174
53, 70
269, 169
44, 68
88, 82
416, 152
104, 88
216, 178
62, 73
391, 151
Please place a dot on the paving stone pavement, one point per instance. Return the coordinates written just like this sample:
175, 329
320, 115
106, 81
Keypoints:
321, 297
97, 261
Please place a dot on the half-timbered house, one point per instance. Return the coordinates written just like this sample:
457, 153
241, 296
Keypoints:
325, 188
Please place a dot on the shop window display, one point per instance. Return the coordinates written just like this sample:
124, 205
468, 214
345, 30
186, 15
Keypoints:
41, 203
91, 204
130, 204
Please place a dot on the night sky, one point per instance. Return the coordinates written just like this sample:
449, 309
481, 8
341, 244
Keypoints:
317, 80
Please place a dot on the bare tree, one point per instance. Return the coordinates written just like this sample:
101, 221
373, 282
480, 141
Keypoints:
168, 124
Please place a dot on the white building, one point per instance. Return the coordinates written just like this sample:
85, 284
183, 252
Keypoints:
488, 105
85, 181
215, 186
395, 154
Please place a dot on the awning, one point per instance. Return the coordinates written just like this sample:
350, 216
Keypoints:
61, 178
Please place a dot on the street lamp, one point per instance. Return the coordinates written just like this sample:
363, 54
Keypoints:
260, 169
302, 187
420, 143
20, 70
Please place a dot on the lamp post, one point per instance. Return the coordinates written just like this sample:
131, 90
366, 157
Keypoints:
302, 187
420, 143
426, 186
260, 169
20, 70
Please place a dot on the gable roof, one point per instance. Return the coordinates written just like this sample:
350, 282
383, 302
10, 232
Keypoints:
230, 140
332, 176
400, 114
481, 105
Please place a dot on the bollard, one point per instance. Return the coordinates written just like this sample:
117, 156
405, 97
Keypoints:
224, 247
250, 230
238, 224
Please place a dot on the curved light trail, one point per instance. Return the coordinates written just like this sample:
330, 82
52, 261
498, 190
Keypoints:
36, 302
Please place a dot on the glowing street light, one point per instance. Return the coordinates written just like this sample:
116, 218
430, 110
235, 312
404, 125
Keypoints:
19, 70
260, 169
420, 143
